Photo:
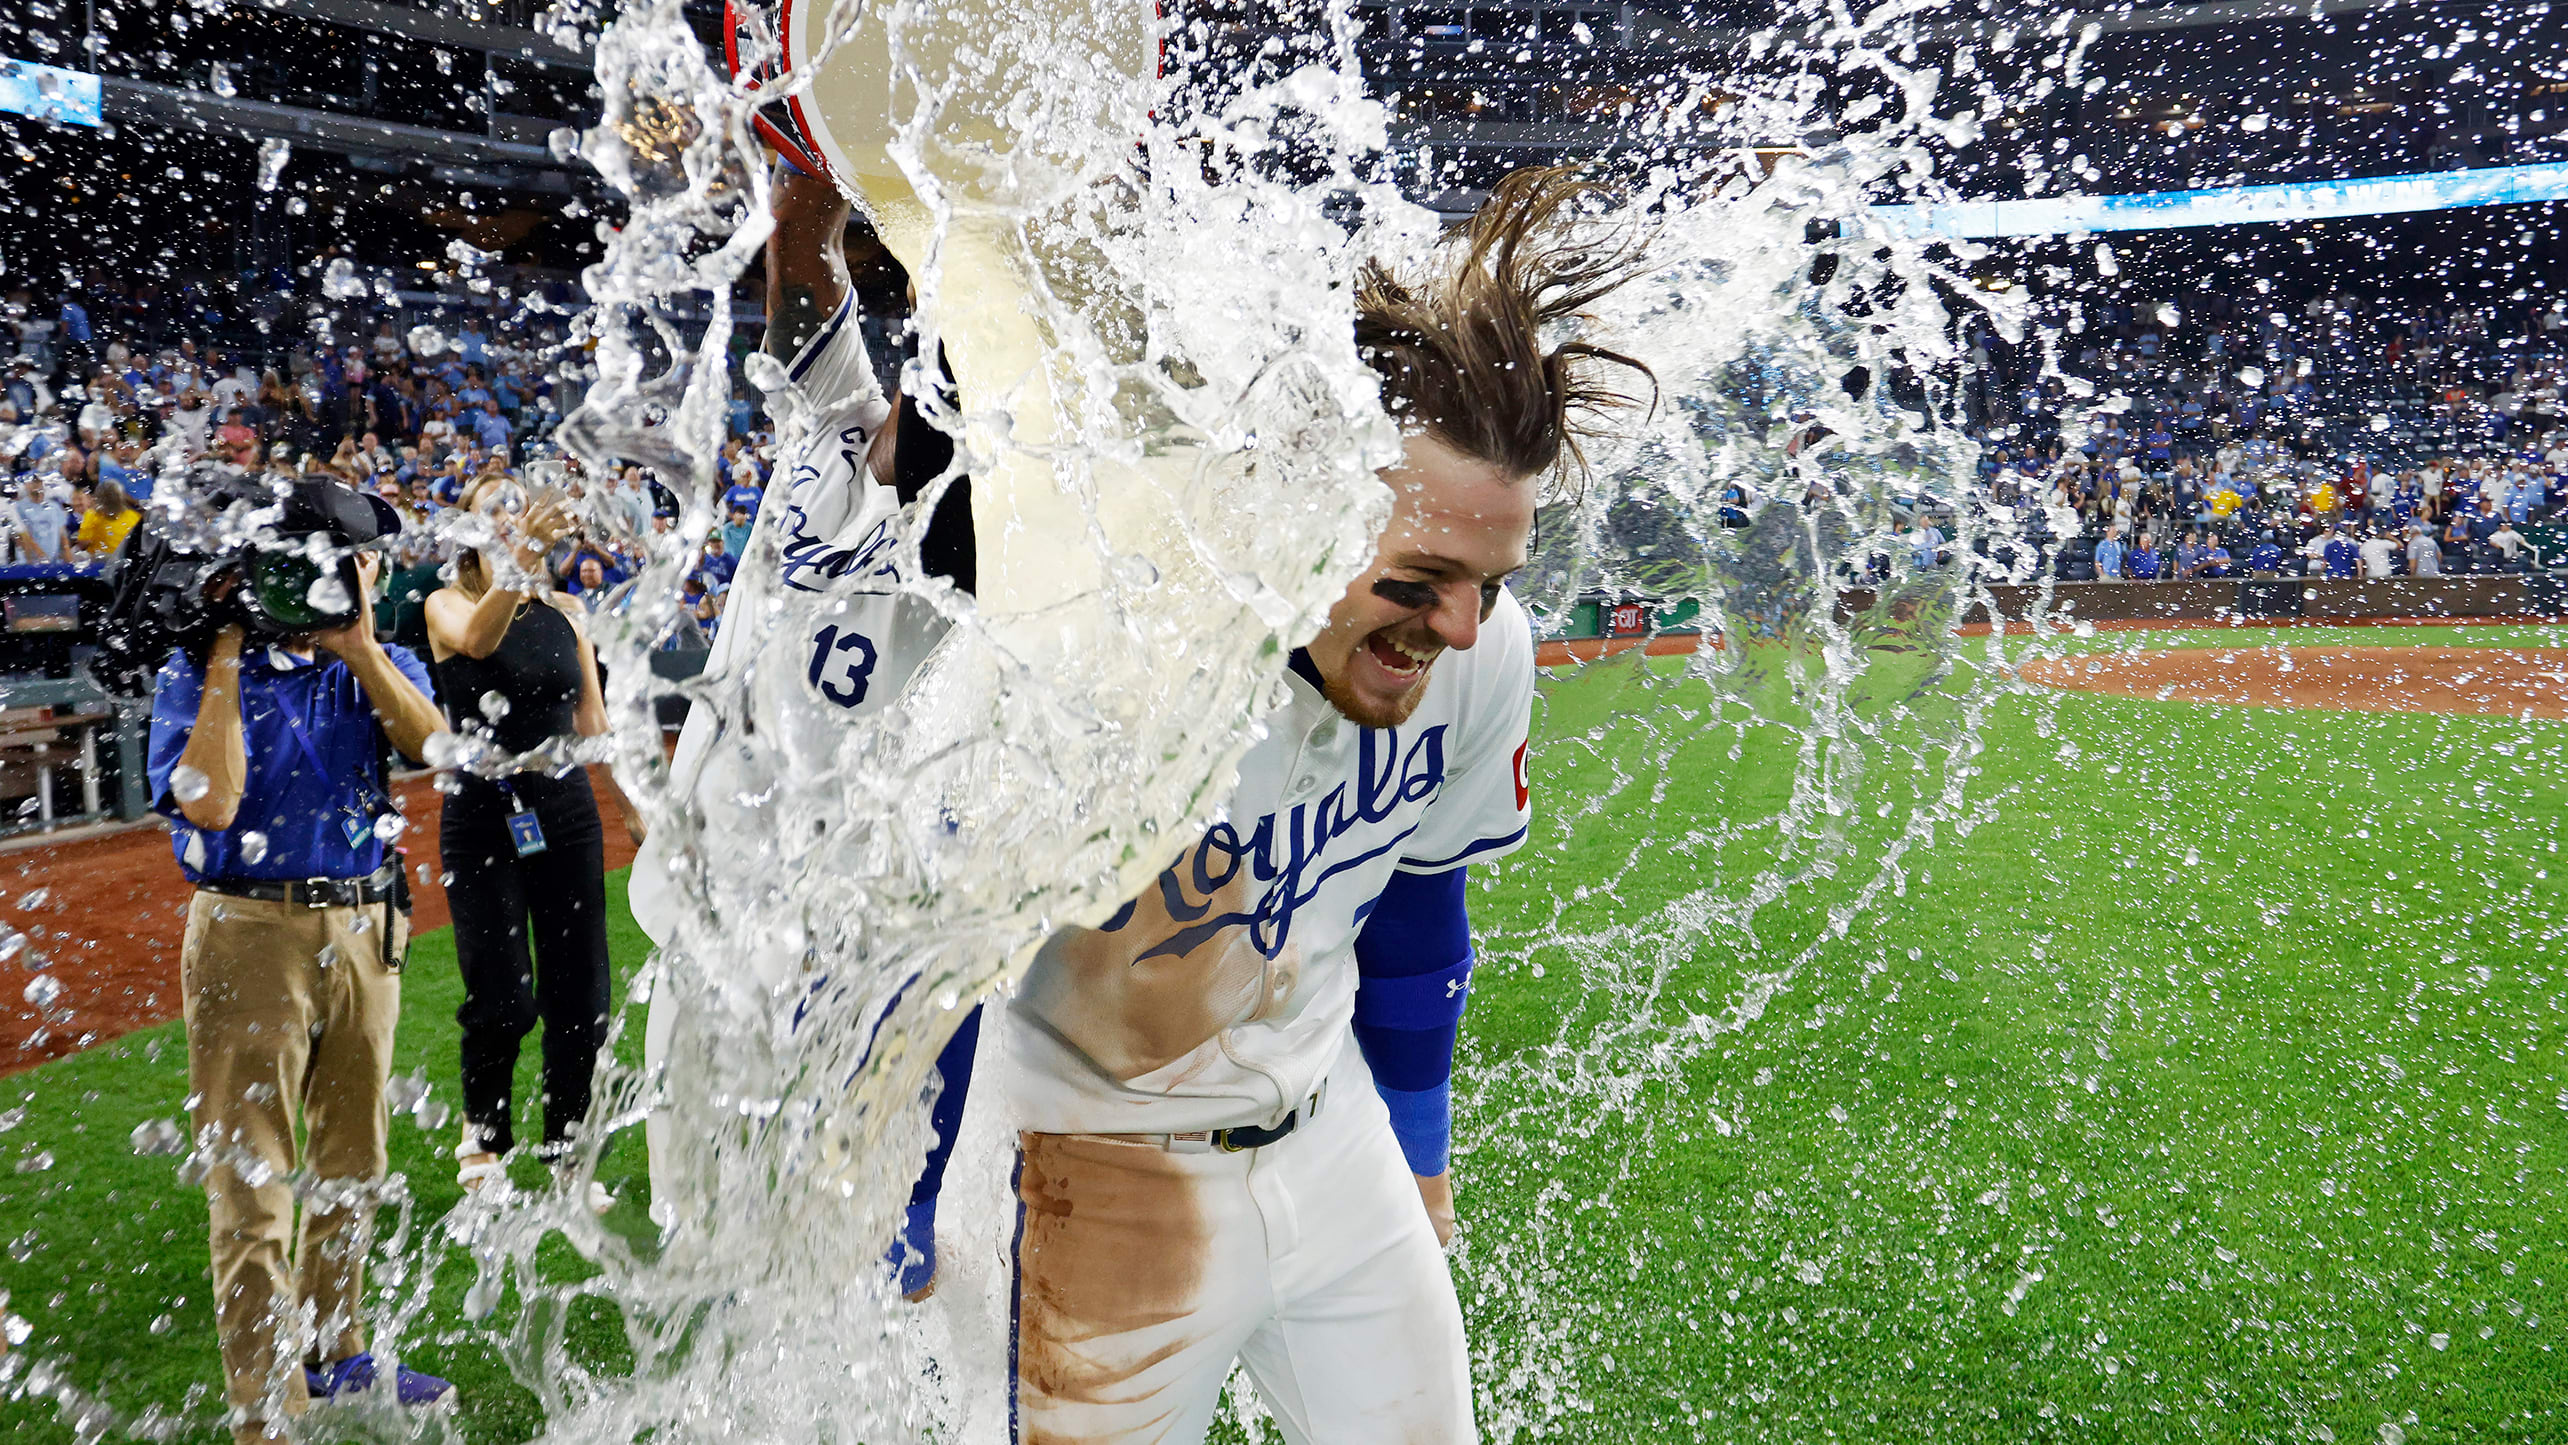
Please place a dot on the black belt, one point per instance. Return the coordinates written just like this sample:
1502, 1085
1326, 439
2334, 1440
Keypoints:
375, 887
1245, 1136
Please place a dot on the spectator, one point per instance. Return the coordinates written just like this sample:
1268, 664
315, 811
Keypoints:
2192, 556
2425, 559
590, 573
41, 521
2108, 555
110, 518
2142, 563
716, 565
2509, 544
2380, 556
2264, 559
2340, 554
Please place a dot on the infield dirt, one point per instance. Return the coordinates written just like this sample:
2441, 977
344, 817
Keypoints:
106, 914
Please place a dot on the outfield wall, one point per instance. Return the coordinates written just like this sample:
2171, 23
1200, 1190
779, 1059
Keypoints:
2318, 597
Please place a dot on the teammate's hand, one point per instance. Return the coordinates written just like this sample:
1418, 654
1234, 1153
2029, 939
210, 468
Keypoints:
1437, 1191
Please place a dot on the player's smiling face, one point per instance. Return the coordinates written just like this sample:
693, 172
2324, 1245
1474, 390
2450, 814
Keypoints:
1458, 527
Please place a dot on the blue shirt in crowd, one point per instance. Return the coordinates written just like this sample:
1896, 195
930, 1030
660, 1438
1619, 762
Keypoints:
312, 800
2265, 557
2108, 559
2341, 555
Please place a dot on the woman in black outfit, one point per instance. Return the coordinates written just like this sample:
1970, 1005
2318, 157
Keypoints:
522, 854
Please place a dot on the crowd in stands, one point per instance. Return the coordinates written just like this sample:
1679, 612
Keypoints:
2208, 436
2221, 435
110, 387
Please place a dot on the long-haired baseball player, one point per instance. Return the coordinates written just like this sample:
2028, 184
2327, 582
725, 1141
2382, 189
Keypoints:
1232, 1097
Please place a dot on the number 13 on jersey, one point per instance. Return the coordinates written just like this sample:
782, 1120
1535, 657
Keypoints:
840, 664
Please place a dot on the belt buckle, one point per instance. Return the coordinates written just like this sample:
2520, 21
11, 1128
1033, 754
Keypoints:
312, 892
1222, 1142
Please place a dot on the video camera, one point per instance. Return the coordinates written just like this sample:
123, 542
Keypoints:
181, 580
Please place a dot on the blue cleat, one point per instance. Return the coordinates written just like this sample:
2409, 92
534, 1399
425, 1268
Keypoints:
356, 1375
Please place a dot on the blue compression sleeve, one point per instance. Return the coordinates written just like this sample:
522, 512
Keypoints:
914, 1253
1413, 967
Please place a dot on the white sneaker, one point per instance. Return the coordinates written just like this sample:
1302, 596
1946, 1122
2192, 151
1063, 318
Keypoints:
484, 1177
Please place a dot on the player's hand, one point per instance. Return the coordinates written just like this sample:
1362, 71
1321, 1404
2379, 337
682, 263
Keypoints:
357, 633
1437, 1191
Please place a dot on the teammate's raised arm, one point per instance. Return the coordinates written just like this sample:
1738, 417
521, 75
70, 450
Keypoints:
806, 262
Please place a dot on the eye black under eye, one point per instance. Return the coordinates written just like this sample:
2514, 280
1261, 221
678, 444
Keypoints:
1489, 598
1417, 596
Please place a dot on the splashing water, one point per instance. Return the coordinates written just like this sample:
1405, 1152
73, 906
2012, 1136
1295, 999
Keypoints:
1172, 443
1197, 415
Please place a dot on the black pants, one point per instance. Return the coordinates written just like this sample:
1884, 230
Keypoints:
498, 898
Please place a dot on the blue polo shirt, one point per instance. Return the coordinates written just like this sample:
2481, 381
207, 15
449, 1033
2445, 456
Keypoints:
316, 809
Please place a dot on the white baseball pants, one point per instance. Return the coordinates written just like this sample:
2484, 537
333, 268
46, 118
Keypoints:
1143, 1272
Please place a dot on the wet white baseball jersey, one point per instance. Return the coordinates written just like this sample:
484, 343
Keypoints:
1222, 995
846, 640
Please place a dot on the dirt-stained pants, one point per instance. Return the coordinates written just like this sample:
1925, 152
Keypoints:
288, 1008
1143, 1273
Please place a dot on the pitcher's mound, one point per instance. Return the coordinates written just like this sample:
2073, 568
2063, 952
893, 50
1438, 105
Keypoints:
2506, 681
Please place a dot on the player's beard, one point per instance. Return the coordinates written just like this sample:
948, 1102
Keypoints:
1374, 713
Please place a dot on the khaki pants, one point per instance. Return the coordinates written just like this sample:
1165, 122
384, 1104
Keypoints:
288, 1007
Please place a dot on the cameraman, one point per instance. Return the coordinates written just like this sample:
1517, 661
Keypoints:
270, 757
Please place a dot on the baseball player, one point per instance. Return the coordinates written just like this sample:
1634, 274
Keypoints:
849, 477
1232, 1096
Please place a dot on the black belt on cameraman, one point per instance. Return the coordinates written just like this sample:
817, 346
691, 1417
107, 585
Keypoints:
375, 887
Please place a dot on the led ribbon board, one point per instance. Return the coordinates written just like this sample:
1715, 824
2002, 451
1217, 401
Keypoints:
2238, 205
41, 91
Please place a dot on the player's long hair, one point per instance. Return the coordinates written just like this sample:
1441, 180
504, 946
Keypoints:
1460, 342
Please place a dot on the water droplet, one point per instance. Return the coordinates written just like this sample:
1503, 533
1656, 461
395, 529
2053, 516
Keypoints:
273, 155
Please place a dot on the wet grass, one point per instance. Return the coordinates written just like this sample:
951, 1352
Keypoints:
107, 1254
2210, 1090
2154, 1108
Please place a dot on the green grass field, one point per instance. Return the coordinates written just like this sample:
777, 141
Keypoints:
2209, 1084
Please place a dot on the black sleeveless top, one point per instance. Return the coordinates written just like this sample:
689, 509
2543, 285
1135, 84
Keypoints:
536, 667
